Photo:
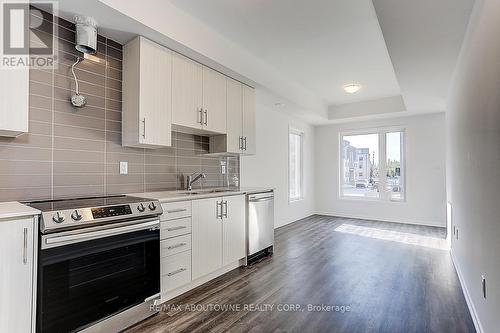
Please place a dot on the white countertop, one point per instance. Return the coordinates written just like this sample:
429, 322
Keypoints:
13, 209
172, 196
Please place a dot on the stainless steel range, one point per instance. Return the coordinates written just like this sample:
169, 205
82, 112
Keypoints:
98, 263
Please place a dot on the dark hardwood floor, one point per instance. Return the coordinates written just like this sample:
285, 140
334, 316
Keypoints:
393, 277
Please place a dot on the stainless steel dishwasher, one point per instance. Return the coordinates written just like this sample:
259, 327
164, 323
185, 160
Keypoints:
260, 224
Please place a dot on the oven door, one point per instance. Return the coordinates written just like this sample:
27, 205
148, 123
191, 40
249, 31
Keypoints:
90, 274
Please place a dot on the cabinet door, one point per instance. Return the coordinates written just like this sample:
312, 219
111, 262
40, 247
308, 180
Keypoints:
206, 237
234, 229
214, 101
14, 101
187, 92
234, 116
16, 276
155, 94
249, 120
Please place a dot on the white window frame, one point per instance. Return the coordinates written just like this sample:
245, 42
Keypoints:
382, 131
295, 131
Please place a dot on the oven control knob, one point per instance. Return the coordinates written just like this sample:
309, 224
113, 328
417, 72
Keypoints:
141, 208
77, 216
58, 217
152, 206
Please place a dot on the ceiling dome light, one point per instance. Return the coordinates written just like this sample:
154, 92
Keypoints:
352, 88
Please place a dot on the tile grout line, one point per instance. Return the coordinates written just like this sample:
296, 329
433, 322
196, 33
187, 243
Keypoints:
105, 118
52, 125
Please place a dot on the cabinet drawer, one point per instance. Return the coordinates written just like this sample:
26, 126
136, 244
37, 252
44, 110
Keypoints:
174, 228
175, 210
175, 245
175, 271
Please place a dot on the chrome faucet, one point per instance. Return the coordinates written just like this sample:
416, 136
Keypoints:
190, 180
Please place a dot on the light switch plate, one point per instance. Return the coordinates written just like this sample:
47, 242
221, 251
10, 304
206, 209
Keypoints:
123, 168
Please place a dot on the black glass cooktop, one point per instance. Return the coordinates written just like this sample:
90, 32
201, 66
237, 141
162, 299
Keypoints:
54, 205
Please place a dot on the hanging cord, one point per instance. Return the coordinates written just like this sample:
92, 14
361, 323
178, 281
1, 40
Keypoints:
78, 59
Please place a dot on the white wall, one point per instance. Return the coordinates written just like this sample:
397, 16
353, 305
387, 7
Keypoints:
473, 162
269, 167
425, 173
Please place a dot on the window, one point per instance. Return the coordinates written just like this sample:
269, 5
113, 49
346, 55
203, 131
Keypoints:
295, 156
381, 175
394, 181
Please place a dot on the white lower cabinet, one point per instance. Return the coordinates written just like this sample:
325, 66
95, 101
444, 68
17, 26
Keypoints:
207, 236
175, 246
218, 233
175, 227
17, 275
200, 239
175, 271
234, 230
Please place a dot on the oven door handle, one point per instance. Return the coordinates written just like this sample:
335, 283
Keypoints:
54, 241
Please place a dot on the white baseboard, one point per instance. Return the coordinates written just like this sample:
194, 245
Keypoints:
468, 299
383, 219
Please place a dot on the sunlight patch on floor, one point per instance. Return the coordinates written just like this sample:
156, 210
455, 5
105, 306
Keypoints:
395, 236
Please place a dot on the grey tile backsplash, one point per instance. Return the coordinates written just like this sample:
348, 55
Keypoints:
71, 152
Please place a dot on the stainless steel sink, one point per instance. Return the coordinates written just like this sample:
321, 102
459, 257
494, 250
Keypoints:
218, 190
190, 192
215, 190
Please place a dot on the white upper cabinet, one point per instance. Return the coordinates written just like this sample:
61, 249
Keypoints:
240, 138
163, 90
14, 96
234, 117
187, 92
17, 276
214, 101
147, 94
249, 139
199, 97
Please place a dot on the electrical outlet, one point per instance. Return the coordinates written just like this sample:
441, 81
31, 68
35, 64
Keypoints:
123, 168
483, 285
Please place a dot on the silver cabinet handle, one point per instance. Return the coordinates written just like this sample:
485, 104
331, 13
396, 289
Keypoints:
241, 142
245, 140
176, 246
219, 204
177, 228
177, 271
25, 246
206, 117
200, 113
144, 127
178, 210
225, 210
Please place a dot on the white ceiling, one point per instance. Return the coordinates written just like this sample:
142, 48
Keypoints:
301, 52
321, 44
424, 38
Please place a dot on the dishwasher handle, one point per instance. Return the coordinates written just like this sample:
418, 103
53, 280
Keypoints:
258, 199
